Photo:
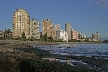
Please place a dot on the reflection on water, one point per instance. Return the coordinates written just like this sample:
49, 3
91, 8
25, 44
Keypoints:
77, 49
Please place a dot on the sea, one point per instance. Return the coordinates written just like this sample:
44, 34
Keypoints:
87, 50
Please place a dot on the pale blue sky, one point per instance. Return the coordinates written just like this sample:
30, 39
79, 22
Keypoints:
86, 16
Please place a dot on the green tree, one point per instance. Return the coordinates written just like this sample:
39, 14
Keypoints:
7, 33
23, 36
33, 39
86, 40
45, 37
50, 39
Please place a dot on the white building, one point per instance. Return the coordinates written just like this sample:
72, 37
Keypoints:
34, 29
63, 35
83, 36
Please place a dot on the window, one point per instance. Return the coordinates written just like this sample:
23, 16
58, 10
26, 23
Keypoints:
34, 23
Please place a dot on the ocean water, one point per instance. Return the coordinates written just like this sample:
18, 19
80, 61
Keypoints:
87, 50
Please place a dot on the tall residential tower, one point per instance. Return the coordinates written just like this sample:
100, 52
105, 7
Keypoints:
57, 30
68, 30
34, 29
48, 28
21, 23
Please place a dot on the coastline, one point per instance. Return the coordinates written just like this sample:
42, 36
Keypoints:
9, 45
85, 63
11, 59
39, 42
18, 49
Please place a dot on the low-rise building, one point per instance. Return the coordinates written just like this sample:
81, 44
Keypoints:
83, 36
5, 34
8, 35
75, 34
2, 34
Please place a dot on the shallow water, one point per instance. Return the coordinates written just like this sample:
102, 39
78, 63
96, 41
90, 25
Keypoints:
87, 50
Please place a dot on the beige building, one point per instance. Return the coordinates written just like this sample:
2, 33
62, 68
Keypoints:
2, 34
48, 27
68, 30
21, 23
34, 29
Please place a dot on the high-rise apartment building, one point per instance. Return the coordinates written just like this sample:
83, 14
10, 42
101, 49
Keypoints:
95, 36
34, 29
21, 23
68, 30
46, 25
57, 31
53, 32
48, 28
57, 27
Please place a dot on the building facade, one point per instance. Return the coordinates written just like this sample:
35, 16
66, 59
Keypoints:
63, 36
46, 25
57, 29
48, 28
95, 37
53, 32
21, 23
2, 34
83, 36
34, 29
68, 30
75, 34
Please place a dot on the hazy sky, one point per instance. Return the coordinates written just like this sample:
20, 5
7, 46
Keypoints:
85, 16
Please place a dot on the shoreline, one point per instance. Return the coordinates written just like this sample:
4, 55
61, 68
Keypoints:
9, 45
15, 57
87, 62
8, 50
39, 42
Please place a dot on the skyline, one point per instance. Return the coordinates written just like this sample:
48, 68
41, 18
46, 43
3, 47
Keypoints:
85, 16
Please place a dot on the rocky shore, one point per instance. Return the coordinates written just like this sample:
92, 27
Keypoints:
14, 51
14, 60
7, 48
9, 45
